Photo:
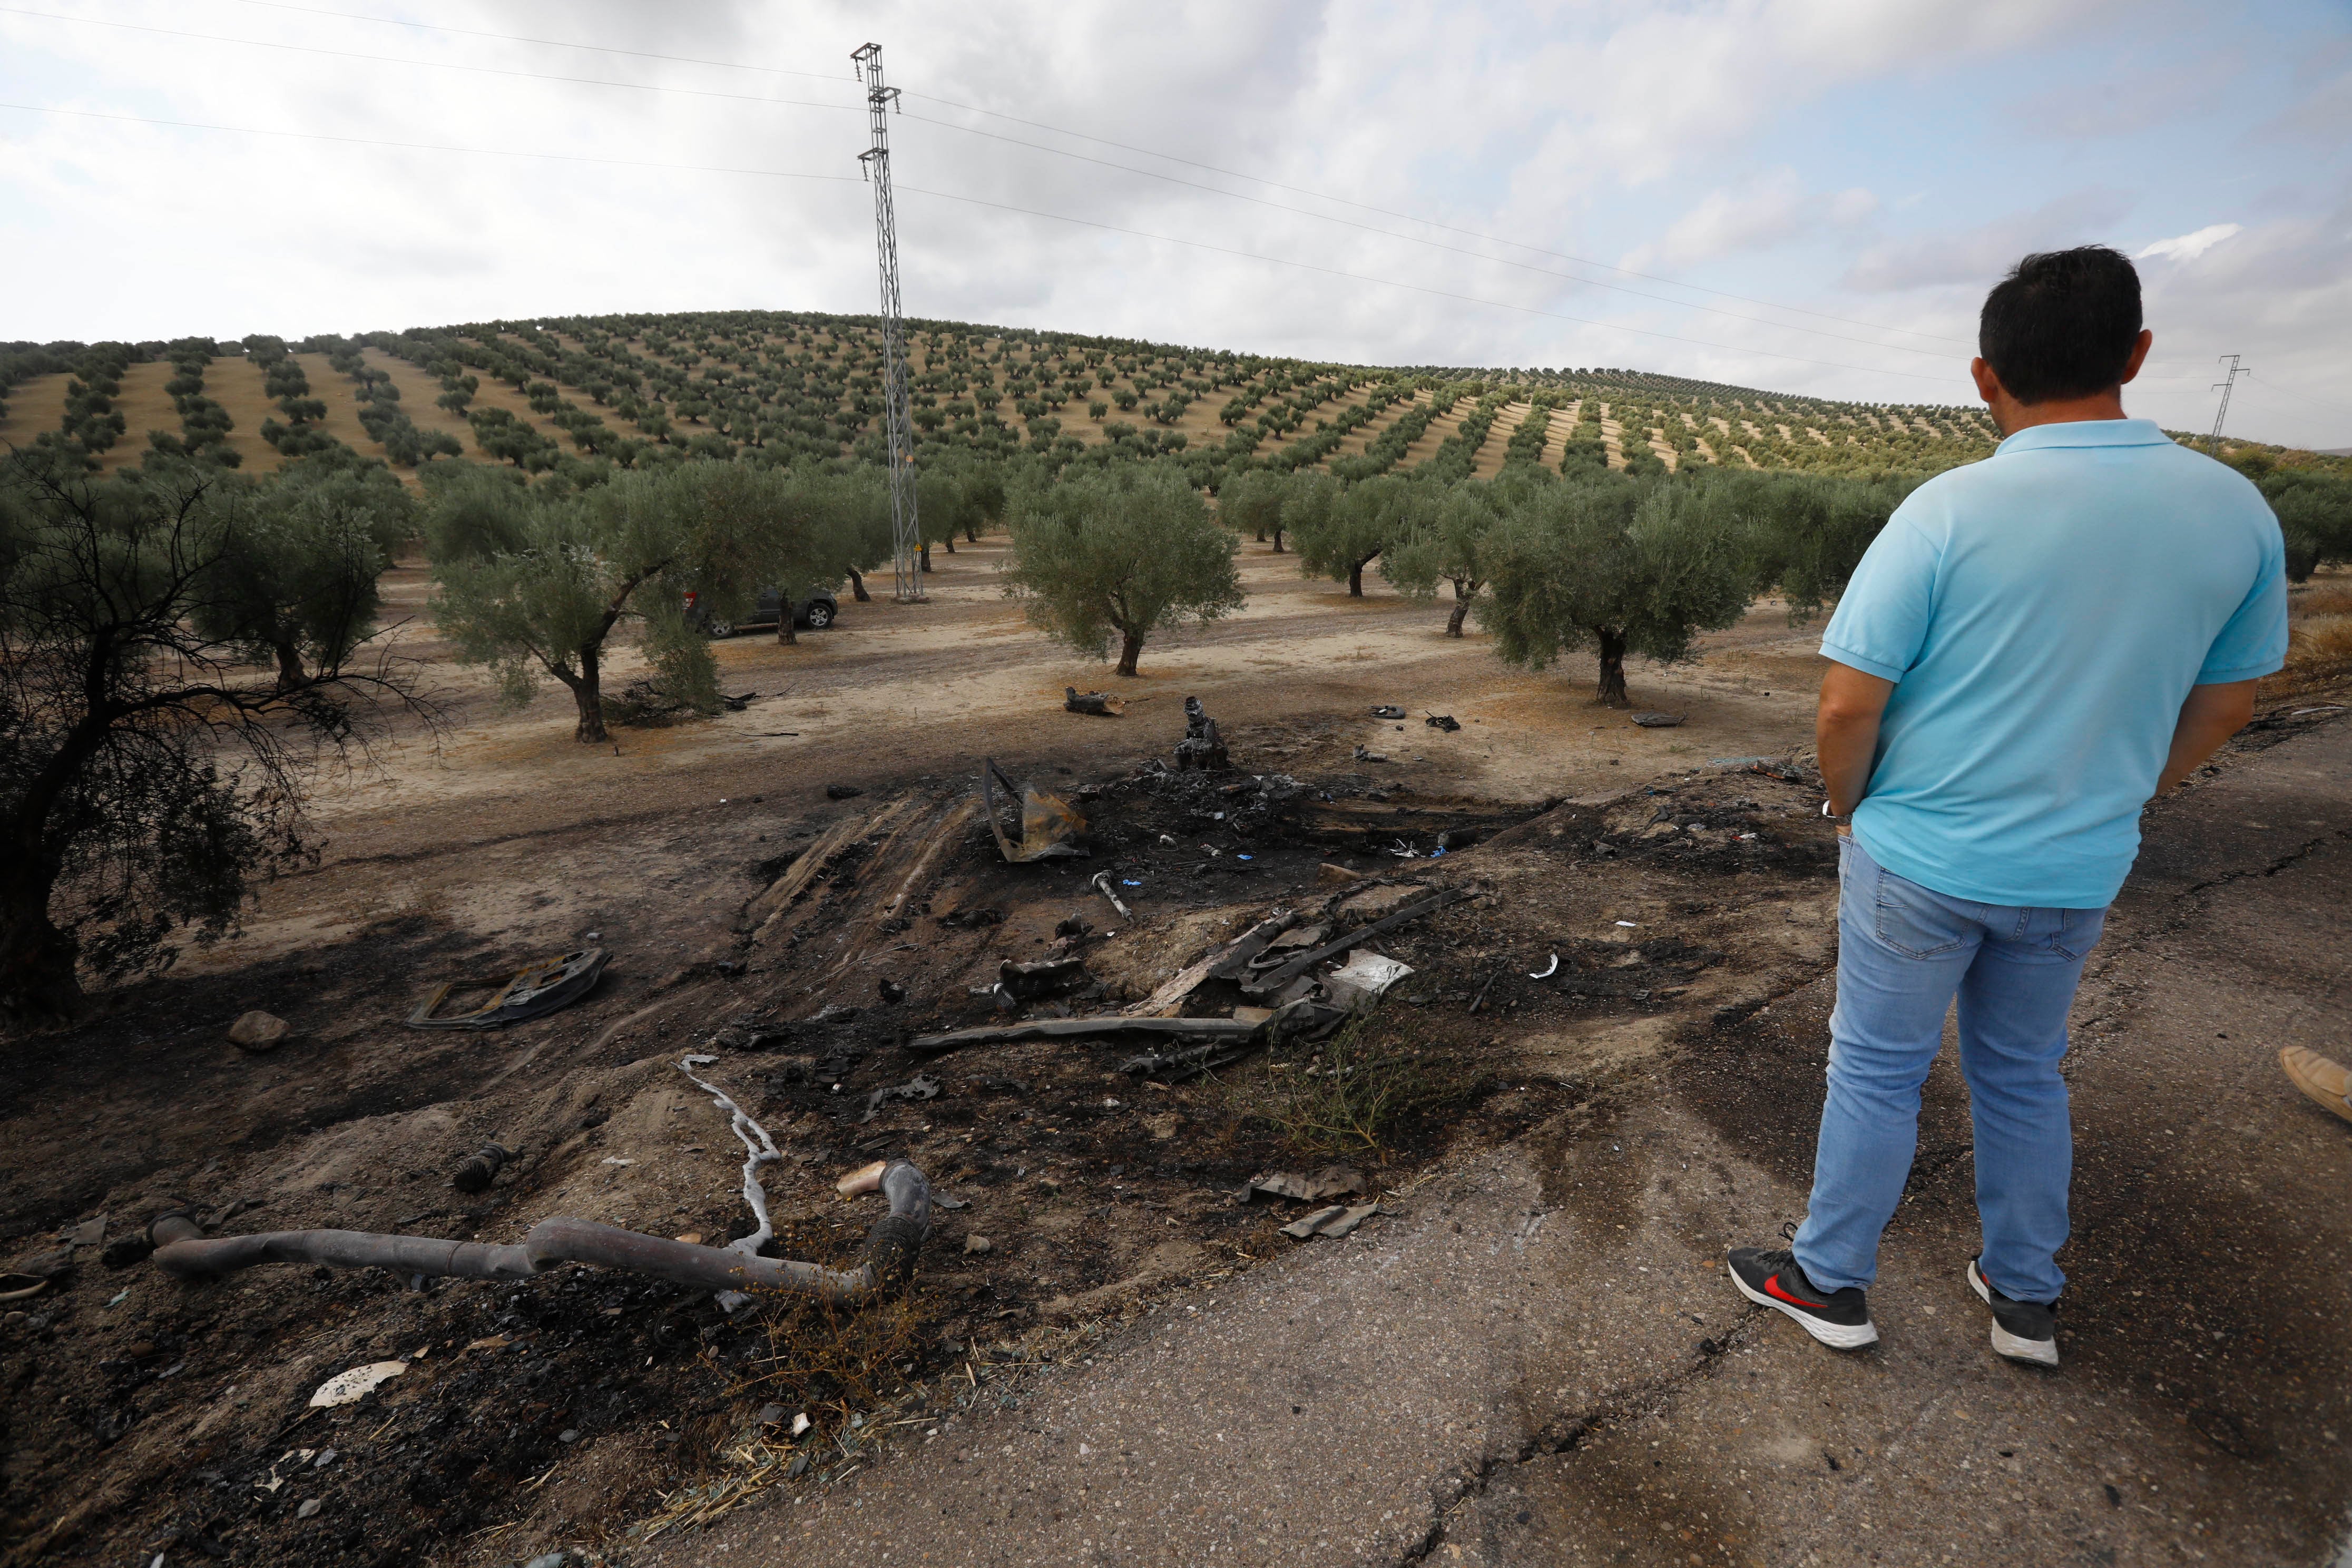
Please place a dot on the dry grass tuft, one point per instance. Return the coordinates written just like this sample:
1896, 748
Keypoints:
1357, 1094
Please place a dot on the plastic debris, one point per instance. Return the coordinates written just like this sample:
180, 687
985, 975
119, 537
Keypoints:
1049, 824
1657, 720
1335, 1222
1101, 884
1547, 972
348, 1387
1331, 1182
530, 992
1364, 980
1446, 722
1388, 710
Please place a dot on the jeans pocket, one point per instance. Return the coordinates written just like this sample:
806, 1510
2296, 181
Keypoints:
2079, 931
1915, 921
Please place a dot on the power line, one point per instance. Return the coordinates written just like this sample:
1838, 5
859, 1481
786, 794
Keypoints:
1432, 244
972, 201
1128, 147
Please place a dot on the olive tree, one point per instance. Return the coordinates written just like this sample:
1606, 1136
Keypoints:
155, 743
536, 583
1252, 500
1616, 565
298, 579
1339, 538
1123, 549
1449, 546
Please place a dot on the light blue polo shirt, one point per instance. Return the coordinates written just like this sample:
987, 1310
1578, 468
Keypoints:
2043, 614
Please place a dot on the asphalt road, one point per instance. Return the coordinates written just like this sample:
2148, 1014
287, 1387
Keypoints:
1541, 1361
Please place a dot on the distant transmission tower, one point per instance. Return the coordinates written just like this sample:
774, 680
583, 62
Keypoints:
2224, 386
906, 537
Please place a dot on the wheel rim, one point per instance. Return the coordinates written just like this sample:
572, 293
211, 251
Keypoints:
820, 618
722, 628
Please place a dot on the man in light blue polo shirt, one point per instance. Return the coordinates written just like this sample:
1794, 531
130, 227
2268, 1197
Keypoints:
2036, 646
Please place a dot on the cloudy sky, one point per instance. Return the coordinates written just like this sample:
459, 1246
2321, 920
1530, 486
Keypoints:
1804, 194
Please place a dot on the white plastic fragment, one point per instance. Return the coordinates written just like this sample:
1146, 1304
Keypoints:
347, 1386
1626, 922
1547, 971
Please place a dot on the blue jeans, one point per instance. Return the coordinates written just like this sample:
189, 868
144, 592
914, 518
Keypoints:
1904, 953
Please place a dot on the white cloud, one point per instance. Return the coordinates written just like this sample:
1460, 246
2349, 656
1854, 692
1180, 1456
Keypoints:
1980, 255
1725, 139
2185, 248
1769, 211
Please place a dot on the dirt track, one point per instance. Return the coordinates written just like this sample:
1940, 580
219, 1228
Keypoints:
157, 1424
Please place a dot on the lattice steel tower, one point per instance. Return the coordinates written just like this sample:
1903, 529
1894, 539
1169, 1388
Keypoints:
906, 537
2224, 386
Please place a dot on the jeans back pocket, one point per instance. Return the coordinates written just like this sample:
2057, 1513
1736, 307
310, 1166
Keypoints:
1915, 922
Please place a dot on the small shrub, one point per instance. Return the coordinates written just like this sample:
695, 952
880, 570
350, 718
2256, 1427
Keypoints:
1361, 1097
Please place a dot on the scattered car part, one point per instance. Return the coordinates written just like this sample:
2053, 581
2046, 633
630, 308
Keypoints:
1275, 979
1228, 962
1102, 886
1048, 823
480, 1168
531, 991
1203, 749
183, 1251
1073, 928
1388, 710
1101, 704
1657, 720
1547, 971
1364, 756
1331, 1182
1019, 983
1082, 1029
1362, 980
21, 1287
1446, 722
916, 1088
1191, 1062
1335, 1222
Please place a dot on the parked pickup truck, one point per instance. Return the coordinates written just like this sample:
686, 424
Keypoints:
815, 612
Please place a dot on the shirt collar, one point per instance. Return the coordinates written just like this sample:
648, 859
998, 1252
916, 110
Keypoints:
2087, 433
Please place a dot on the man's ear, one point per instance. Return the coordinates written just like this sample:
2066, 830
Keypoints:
2138, 354
1989, 387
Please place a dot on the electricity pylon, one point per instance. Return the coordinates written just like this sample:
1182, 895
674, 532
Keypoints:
906, 536
2224, 386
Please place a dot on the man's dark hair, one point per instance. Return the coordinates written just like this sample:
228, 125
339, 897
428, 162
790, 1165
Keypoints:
2062, 324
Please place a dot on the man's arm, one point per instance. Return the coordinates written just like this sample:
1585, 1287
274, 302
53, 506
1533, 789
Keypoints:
1845, 732
2210, 716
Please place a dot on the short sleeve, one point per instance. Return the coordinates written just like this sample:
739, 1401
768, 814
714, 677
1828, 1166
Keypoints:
2252, 642
1882, 618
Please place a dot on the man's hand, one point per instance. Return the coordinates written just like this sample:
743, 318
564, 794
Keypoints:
1845, 731
2210, 716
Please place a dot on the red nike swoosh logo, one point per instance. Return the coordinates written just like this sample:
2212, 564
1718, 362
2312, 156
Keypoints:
1772, 1288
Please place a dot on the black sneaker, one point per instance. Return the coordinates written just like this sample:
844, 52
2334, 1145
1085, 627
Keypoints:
2021, 1330
1839, 1319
